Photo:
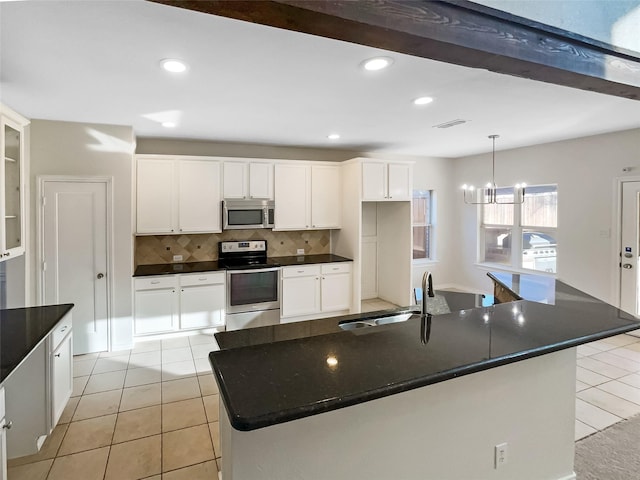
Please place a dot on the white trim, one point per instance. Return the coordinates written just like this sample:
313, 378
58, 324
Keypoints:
41, 180
616, 284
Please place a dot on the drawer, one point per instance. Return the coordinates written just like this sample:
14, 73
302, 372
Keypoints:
60, 331
301, 271
202, 279
338, 267
151, 283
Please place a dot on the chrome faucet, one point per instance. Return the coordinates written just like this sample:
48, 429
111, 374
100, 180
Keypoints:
427, 290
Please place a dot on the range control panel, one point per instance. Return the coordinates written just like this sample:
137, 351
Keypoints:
244, 246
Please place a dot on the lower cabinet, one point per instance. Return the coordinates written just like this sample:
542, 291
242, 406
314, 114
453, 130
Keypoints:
179, 302
313, 291
61, 370
37, 392
3, 438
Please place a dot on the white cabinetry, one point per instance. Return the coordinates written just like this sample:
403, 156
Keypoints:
3, 439
202, 300
308, 197
169, 303
61, 368
12, 183
38, 391
178, 195
248, 180
156, 305
315, 291
386, 181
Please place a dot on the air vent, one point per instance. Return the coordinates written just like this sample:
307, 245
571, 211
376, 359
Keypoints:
451, 123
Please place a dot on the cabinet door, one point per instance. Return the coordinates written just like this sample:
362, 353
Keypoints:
199, 207
3, 439
155, 193
12, 219
261, 180
300, 296
156, 311
326, 197
374, 181
235, 180
336, 292
400, 187
202, 306
61, 378
292, 184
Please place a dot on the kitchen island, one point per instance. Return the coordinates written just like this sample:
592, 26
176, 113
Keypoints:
429, 397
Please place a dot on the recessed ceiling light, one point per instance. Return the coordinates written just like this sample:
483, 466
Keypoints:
173, 65
169, 124
422, 100
377, 63
333, 136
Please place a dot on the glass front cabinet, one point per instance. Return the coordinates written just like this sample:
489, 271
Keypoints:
12, 183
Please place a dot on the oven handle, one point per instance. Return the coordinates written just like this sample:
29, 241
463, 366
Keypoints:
254, 270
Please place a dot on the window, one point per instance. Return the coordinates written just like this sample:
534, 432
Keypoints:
422, 225
521, 236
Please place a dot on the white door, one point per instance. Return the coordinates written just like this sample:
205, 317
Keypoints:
74, 246
629, 248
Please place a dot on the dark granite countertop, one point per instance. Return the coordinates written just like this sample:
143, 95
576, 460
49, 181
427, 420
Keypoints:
199, 267
271, 375
22, 329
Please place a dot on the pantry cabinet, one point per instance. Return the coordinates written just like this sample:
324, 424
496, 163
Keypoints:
315, 291
247, 180
386, 181
178, 195
12, 183
308, 197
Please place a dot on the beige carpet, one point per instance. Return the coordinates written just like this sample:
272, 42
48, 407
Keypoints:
612, 454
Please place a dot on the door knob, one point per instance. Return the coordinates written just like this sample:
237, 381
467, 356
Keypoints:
100, 275
8, 425
627, 265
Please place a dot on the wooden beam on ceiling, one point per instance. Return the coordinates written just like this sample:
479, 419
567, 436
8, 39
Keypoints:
458, 32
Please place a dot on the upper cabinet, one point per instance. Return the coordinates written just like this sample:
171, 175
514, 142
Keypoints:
178, 195
308, 197
386, 181
12, 183
244, 179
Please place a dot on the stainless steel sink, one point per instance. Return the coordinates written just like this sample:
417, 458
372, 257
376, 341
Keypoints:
373, 322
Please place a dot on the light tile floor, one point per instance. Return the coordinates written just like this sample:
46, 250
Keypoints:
607, 383
374, 304
151, 412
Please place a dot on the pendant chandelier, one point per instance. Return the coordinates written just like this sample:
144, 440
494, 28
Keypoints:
488, 194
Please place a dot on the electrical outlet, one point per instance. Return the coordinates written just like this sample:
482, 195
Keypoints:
300, 251
177, 258
500, 455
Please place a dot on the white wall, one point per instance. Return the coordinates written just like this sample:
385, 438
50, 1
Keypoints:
65, 148
437, 174
585, 171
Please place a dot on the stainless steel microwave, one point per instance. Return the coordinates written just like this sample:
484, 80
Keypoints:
245, 214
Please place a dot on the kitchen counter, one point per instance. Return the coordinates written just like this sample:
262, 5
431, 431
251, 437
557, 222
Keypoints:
271, 375
212, 266
22, 329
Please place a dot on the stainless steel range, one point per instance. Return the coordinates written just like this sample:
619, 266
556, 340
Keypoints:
253, 281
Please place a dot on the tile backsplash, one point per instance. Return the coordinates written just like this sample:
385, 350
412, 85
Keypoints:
158, 249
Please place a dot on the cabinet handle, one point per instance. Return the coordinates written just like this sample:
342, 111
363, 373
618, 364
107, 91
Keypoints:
8, 425
155, 282
100, 275
202, 279
57, 355
6, 254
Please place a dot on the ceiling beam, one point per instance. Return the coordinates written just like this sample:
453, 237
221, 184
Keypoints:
457, 32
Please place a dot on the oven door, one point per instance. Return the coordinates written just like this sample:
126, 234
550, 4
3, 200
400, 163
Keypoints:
253, 290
